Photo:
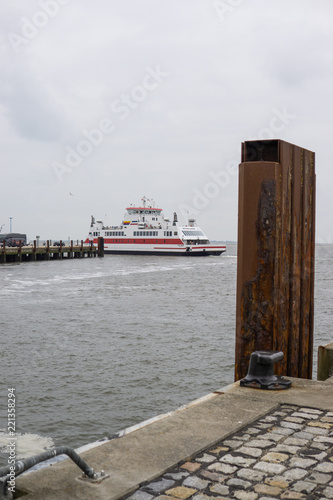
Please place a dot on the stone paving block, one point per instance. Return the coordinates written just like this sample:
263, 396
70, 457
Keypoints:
316, 430
253, 431
294, 474
303, 487
304, 463
219, 449
271, 436
313, 453
289, 408
140, 495
303, 435
233, 443
269, 418
275, 458
241, 461
291, 425
221, 489
239, 483
181, 492
251, 475
282, 430
323, 425
224, 468
253, 452
293, 450
159, 486
279, 481
323, 439
177, 475
196, 482
307, 416
201, 496
318, 447
296, 420
245, 437
206, 458
328, 492
245, 495
324, 467
190, 466
264, 425
259, 443
265, 489
292, 495
165, 497
214, 476
312, 411
319, 478
269, 468
295, 441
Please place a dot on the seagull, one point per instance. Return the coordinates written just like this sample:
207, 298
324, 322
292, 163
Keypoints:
71, 194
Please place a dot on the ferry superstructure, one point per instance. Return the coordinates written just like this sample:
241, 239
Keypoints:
145, 231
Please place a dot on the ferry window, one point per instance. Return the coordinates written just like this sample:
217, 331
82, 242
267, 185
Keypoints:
175, 233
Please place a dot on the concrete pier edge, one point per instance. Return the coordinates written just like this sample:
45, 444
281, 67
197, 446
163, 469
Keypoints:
144, 452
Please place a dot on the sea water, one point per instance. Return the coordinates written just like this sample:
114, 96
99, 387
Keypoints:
93, 346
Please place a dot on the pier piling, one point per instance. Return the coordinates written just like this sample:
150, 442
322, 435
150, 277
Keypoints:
275, 268
48, 252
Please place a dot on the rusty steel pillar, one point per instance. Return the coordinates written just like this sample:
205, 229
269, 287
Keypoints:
276, 245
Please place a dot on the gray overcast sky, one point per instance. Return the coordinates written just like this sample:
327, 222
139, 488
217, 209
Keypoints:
103, 102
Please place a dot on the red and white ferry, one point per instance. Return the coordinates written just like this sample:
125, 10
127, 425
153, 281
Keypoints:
146, 231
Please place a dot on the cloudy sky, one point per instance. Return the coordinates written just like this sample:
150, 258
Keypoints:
104, 102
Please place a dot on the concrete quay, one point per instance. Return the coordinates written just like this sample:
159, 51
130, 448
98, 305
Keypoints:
236, 443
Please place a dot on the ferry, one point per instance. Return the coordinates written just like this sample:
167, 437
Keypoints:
145, 231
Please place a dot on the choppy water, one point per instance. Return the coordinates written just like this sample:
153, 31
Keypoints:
95, 345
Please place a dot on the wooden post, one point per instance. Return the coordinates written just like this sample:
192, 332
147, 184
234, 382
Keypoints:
100, 246
34, 252
275, 269
325, 362
3, 259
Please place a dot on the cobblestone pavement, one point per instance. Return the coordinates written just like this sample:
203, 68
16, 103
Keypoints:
287, 454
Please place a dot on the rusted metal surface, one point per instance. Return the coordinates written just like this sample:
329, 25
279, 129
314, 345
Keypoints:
275, 275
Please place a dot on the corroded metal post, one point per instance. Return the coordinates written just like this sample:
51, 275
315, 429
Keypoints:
276, 244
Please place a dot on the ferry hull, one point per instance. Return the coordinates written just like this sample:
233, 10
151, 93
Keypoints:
184, 252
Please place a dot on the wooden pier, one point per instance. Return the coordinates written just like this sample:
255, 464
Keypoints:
32, 253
